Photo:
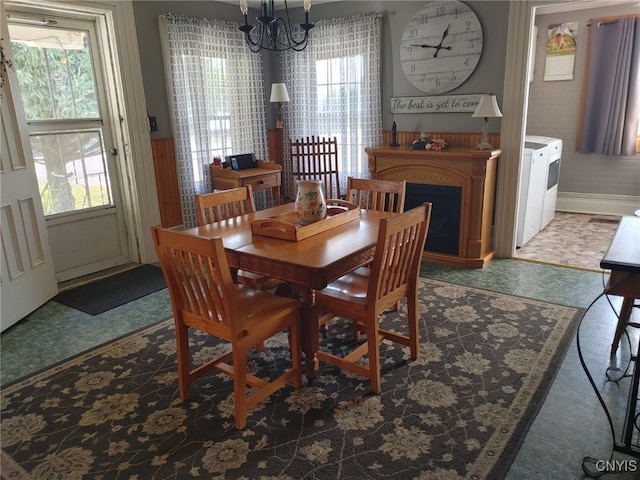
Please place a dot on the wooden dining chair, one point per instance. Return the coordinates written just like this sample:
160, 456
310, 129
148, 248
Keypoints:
364, 294
316, 158
204, 297
224, 204
372, 194
381, 195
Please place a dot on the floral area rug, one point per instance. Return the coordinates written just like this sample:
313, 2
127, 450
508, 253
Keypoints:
460, 411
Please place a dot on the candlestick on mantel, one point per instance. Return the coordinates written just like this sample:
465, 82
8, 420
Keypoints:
394, 135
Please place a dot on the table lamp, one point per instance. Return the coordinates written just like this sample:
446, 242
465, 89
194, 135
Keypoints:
488, 107
279, 95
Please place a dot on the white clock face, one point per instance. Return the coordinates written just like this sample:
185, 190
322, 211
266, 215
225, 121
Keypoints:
441, 46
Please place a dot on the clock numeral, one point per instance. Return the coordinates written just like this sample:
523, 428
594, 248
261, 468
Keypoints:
453, 77
438, 82
413, 68
467, 26
424, 19
466, 62
471, 44
442, 10
413, 33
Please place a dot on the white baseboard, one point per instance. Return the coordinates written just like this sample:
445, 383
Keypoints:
595, 203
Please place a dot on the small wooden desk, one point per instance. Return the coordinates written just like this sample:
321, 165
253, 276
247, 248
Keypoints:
310, 264
266, 175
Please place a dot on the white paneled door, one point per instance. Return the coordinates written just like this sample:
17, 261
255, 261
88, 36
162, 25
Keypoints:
65, 212
27, 277
64, 84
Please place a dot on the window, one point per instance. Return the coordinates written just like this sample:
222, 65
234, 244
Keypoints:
59, 94
217, 100
335, 91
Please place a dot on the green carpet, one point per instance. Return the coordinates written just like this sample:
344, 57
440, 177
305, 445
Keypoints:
460, 411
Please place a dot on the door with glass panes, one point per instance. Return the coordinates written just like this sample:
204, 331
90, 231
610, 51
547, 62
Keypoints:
63, 73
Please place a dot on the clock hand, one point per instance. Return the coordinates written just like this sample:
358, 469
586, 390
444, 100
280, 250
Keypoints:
439, 46
424, 45
445, 33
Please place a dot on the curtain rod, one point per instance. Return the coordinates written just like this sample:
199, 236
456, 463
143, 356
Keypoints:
609, 20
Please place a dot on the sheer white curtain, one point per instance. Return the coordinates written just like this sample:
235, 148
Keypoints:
335, 91
215, 84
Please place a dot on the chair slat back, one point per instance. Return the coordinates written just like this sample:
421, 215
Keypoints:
396, 263
382, 195
217, 206
199, 280
317, 159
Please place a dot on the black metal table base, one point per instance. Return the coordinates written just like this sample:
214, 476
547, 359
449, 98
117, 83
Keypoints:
595, 467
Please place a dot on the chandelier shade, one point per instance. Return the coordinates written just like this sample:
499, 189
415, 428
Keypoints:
275, 33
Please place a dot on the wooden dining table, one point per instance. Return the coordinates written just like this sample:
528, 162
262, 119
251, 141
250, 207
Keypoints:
308, 265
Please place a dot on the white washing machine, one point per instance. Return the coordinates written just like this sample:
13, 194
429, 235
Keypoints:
538, 187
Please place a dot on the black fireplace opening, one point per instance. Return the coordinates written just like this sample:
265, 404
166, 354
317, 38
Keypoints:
444, 229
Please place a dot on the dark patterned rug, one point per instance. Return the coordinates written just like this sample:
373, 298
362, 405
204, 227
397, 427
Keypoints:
460, 411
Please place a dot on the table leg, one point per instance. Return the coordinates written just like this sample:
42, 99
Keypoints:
623, 319
309, 319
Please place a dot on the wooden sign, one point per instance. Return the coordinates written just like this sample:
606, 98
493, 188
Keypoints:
435, 104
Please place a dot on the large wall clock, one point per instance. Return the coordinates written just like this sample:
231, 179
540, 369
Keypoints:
441, 46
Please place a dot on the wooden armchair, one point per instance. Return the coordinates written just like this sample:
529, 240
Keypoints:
363, 295
204, 297
224, 204
317, 159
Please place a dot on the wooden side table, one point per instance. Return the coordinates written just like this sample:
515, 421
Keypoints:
266, 175
623, 259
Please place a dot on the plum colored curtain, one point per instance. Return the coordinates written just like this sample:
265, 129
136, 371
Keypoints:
611, 103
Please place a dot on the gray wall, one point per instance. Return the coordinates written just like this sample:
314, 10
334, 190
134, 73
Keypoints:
148, 33
488, 76
554, 109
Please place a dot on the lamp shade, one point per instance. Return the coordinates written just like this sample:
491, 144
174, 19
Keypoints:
279, 93
488, 107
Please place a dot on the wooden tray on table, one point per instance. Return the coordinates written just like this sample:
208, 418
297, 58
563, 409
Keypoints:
287, 225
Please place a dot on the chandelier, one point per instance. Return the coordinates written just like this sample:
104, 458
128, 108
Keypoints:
274, 33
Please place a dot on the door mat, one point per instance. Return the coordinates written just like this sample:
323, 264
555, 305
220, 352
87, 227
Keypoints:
102, 295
